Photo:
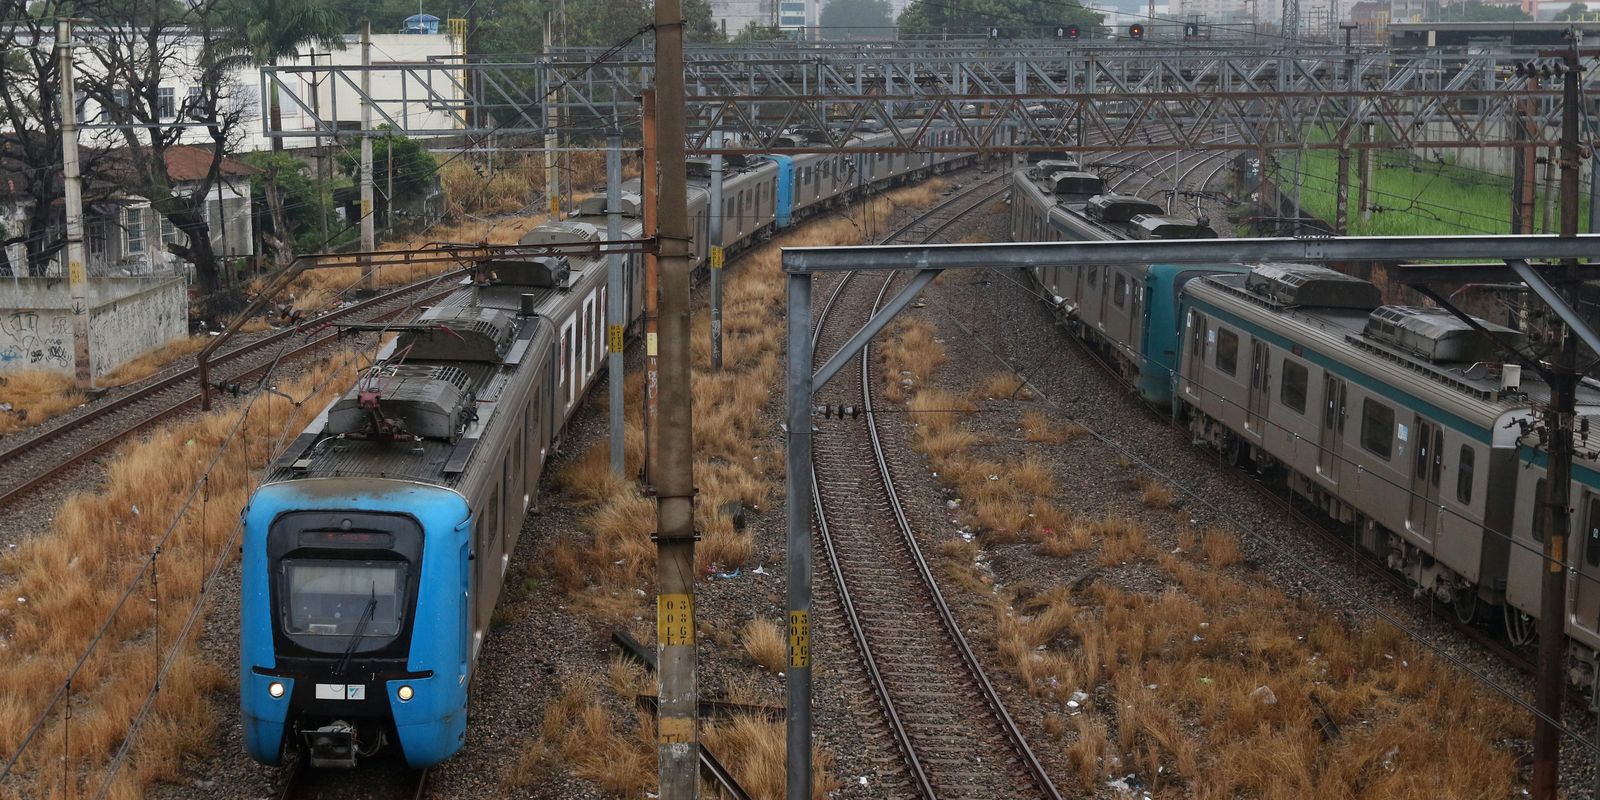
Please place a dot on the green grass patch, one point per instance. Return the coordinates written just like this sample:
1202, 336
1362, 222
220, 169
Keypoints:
1409, 195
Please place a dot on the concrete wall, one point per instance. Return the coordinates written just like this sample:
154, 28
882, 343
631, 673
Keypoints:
127, 317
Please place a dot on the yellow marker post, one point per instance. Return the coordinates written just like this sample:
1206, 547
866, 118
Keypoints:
675, 620
799, 638
614, 338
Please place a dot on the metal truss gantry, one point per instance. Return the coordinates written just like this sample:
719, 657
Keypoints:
1084, 98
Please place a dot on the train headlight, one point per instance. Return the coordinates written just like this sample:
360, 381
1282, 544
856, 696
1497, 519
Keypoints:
275, 689
404, 693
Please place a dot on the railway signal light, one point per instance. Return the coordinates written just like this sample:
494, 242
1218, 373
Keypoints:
994, 33
1136, 31
1068, 32
1190, 30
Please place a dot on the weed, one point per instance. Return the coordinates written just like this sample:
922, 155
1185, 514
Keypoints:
1154, 493
764, 644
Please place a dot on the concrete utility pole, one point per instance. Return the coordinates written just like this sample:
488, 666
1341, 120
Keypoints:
1558, 423
552, 186
677, 737
1364, 174
1527, 173
614, 294
77, 272
369, 233
714, 233
652, 293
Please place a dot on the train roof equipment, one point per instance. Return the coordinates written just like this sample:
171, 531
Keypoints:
544, 272
595, 206
1120, 208
1310, 285
405, 401
564, 232
1437, 335
1160, 226
1072, 182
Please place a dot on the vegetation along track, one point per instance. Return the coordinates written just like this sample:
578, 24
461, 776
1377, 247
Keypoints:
943, 713
34, 461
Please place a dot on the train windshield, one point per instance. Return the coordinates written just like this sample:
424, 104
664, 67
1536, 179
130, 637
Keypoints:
344, 598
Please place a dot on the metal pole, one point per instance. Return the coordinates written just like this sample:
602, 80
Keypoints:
324, 155
797, 564
677, 734
652, 293
1558, 419
77, 274
714, 233
1551, 158
614, 293
369, 234
1365, 174
552, 187
1527, 157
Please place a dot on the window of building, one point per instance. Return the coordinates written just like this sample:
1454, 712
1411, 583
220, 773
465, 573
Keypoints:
194, 98
1292, 386
169, 232
1227, 351
133, 228
166, 102
1377, 427
97, 238
1464, 469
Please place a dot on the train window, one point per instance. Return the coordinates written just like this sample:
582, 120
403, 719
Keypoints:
1538, 511
1464, 468
1591, 548
1227, 351
1094, 277
1119, 291
566, 354
1292, 386
1377, 427
1438, 455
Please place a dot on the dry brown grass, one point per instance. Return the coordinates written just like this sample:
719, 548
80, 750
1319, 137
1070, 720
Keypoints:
764, 644
1065, 541
1033, 476
71, 578
1220, 547
578, 735
909, 355
1154, 493
754, 750
35, 396
1122, 541
1036, 427
1004, 386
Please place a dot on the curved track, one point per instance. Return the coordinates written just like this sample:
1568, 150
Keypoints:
32, 461
945, 716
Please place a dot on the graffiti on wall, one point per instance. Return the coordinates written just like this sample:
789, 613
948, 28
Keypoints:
28, 340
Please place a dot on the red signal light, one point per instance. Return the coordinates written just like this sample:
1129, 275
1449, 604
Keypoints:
1135, 31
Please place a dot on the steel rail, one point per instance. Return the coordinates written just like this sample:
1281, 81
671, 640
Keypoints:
176, 381
898, 727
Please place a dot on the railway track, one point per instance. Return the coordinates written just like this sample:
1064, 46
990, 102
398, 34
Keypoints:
298, 781
943, 713
31, 462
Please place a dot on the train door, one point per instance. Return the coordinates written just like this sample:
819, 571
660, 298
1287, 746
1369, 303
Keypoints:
1260, 382
1331, 444
1194, 356
1427, 463
1586, 596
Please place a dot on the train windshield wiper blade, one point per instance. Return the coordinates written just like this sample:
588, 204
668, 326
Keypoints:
361, 628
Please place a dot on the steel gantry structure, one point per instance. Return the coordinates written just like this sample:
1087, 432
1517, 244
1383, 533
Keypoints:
1024, 96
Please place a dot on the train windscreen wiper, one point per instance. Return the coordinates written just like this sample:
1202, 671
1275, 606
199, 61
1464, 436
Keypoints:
361, 628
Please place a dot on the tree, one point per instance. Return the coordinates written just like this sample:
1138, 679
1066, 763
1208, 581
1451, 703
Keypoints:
30, 115
857, 19
161, 45
1478, 11
295, 205
269, 30
1574, 12
754, 32
414, 167
934, 17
